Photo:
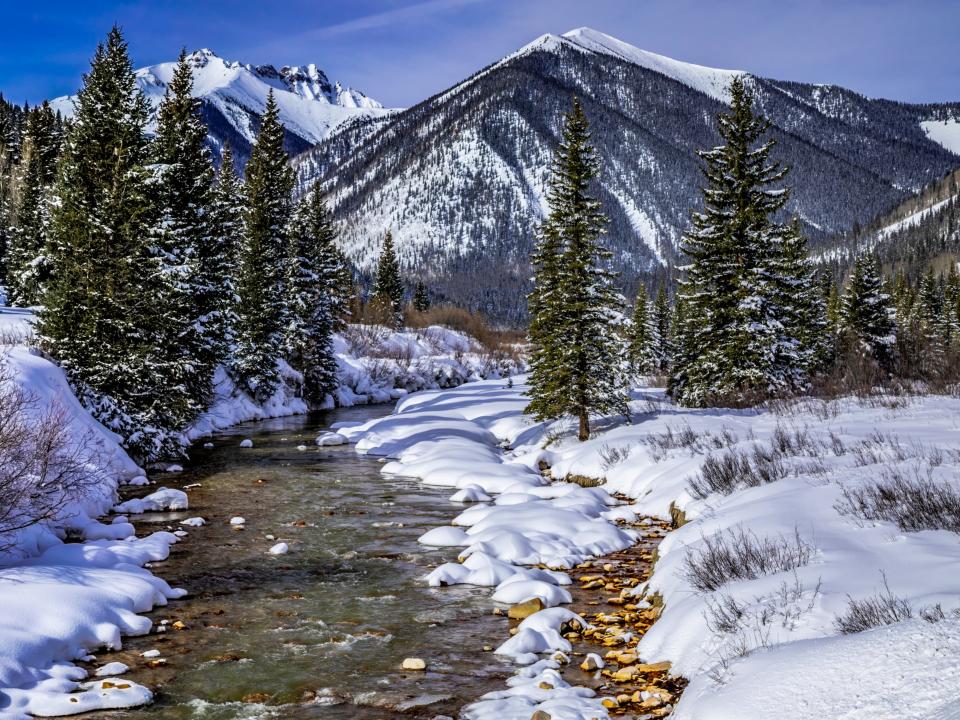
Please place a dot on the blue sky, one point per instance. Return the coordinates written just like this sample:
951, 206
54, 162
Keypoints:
402, 51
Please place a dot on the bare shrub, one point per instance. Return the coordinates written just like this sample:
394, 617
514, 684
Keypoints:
473, 324
18, 335
740, 555
737, 469
913, 503
882, 608
41, 468
365, 339
611, 456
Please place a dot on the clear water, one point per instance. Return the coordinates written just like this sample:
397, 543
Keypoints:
320, 632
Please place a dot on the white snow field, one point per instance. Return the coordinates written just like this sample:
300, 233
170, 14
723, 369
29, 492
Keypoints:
776, 652
61, 601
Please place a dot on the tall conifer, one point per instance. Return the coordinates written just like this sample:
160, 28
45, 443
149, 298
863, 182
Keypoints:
388, 285
263, 259
867, 312
577, 363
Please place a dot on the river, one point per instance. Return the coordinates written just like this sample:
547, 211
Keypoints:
322, 631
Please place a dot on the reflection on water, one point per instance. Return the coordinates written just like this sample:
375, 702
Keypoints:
320, 632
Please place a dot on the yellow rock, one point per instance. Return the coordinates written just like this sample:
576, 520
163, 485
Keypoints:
545, 686
624, 674
179, 625
414, 664
659, 667
523, 610
610, 703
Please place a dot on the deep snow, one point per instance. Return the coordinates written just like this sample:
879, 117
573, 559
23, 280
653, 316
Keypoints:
784, 657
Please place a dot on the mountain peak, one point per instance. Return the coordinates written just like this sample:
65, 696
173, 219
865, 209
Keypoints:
710, 81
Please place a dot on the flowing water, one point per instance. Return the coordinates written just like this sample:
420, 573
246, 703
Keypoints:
322, 631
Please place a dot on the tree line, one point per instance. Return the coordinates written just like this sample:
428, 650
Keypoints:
752, 318
152, 270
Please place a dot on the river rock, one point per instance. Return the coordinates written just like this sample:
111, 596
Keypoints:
541, 715
235, 521
281, 548
248, 443
414, 664
328, 439
522, 611
112, 669
592, 662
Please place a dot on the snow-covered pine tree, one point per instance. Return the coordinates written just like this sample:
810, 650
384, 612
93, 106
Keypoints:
644, 336
738, 347
933, 326
578, 358
262, 267
867, 311
99, 320
312, 300
421, 298
188, 294
26, 262
663, 348
387, 284
804, 314
227, 221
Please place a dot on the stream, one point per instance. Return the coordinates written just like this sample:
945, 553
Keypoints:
322, 631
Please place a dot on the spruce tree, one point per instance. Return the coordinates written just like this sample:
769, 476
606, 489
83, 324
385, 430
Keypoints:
421, 298
26, 260
644, 336
737, 346
312, 299
867, 311
388, 286
263, 262
577, 363
188, 296
227, 221
663, 349
99, 319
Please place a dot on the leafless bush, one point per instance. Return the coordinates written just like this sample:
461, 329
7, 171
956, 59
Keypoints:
737, 469
17, 335
364, 339
610, 456
913, 503
882, 608
740, 555
41, 468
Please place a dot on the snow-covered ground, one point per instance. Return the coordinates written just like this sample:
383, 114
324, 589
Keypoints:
62, 600
755, 580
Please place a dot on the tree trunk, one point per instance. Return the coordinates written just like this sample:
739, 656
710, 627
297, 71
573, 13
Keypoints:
584, 433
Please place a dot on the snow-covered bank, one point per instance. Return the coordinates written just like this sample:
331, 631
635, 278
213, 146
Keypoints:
61, 601
376, 365
756, 578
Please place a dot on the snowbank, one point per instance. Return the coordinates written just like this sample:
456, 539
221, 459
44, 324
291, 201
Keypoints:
778, 651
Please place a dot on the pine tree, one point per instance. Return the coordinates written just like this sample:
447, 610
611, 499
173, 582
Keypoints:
26, 260
227, 222
644, 336
577, 363
933, 326
421, 298
388, 286
263, 263
312, 298
99, 319
188, 297
806, 345
867, 311
737, 345
663, 349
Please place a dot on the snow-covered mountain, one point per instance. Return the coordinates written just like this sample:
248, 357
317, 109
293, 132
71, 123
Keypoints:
460, 178
233, 96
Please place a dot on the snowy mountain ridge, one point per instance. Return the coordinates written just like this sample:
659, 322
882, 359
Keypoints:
233, 97
460, 178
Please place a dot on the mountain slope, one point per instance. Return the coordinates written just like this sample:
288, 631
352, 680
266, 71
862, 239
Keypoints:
233, 96
460, 178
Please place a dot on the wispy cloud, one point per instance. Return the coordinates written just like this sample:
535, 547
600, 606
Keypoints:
417, 11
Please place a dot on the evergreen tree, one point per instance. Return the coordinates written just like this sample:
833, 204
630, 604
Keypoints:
663, 348
99, 318
263, 262
189, 297
577, 364
421, 298
312, 298
737, 345
804, 318
388, 286
644, 336
867, 311
227, 221
26, 260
